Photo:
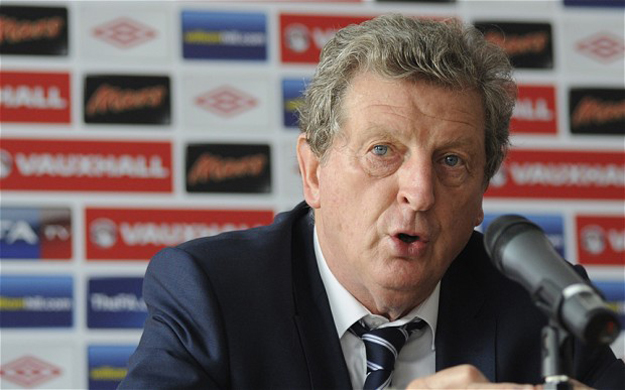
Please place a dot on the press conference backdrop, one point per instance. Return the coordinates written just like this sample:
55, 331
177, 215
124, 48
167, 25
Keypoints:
130, 126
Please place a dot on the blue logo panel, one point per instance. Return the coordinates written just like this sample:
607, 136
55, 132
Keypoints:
116, 303
595, 3
224, 35
108, 365
35, 233
36, 301
553, 226
292, 99
19, 237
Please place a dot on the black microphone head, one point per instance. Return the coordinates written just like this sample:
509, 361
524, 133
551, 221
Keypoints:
500, 231
603, 328
589, 318
520, 250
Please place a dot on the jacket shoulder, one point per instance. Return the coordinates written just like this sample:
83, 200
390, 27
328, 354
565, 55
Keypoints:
258, 244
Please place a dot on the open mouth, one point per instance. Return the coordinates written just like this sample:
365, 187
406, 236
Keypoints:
407, 238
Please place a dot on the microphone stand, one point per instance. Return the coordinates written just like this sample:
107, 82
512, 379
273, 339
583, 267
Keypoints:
557, 348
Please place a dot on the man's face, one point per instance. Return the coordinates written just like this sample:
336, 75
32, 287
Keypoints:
400, 190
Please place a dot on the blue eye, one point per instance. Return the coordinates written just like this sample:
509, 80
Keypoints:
380, 150
452, 160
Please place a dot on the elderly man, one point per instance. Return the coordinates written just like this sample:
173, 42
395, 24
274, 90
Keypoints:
378, 278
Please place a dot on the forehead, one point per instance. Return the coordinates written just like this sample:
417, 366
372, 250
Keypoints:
372, 101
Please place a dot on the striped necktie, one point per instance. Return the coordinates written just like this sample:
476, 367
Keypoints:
383, 346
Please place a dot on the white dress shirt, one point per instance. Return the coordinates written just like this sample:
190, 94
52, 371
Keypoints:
418, 356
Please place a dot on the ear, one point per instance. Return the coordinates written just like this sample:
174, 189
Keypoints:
480, 217
309, 168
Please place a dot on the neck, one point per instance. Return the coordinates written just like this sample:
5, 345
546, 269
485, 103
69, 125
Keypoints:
388, 303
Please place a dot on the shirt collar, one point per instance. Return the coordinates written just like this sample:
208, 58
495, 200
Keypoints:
346, 309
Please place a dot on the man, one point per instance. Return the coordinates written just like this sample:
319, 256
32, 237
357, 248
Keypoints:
404, 124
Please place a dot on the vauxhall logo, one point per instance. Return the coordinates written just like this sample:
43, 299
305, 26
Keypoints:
32, 97
298, 37
6, 164
106, 233
596, 240
35, 97
83, 165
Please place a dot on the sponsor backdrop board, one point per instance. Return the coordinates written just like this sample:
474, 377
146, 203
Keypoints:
128, 127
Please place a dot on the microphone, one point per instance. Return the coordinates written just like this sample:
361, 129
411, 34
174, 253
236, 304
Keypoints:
521, 251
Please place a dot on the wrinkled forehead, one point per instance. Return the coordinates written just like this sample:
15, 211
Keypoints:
409, 97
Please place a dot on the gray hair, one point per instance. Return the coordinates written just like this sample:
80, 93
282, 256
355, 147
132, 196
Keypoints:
446, 53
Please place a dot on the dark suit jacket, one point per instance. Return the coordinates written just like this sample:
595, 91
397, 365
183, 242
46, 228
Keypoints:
248, 310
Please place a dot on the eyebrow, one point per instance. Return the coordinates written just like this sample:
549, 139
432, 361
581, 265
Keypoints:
383, 131
462, 141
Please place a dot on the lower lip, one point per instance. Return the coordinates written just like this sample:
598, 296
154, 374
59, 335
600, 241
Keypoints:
405, 249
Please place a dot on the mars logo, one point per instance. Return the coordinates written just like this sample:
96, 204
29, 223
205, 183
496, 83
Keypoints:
560, 174
234, 168
226, 101
604, 47
535, 110
34, 97
216, 169
33, 30
124, 33
529, 45
71, 165
127, 99
304, 35
597, 110
111, 99
137, 234
600, 239
18, 31
29, 371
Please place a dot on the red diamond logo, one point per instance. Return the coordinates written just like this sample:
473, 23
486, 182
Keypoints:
29, 371
226, 101
604, 47
124, 33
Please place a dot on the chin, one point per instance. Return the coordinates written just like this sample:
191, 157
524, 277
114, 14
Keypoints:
401, 282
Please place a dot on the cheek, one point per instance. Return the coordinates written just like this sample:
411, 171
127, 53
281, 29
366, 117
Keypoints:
330, 189
352, 201
337, 200
463, 206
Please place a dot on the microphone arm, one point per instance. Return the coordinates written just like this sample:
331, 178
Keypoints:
522, 252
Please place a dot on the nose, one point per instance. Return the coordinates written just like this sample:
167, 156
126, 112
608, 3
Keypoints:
417, 185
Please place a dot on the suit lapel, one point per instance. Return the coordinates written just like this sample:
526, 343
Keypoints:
313, 317
466, 330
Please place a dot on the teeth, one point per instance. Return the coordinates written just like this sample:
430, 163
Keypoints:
407, 238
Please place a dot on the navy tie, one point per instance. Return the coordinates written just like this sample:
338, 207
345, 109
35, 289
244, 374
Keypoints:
383, 346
